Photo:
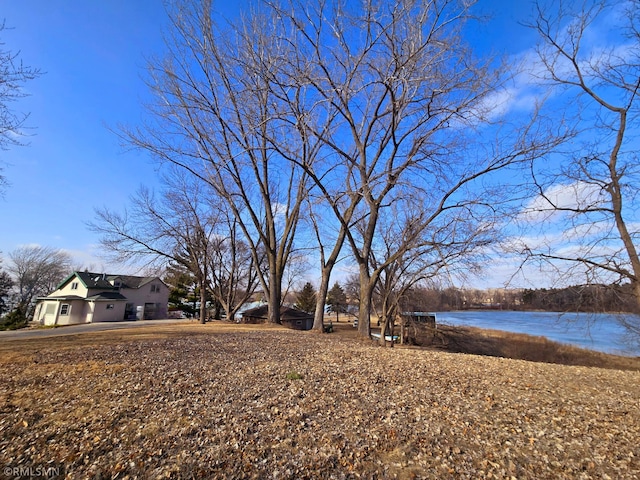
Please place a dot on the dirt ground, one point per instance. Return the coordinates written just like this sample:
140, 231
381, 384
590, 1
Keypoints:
245, 401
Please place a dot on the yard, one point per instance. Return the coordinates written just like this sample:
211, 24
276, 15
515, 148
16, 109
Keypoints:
233, 401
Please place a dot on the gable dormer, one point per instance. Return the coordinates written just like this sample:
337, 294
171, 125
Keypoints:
72, 285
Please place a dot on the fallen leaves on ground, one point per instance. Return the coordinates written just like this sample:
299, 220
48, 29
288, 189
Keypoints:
284, 404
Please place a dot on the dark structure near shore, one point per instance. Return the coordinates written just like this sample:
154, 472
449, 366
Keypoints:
289, 317
415, 323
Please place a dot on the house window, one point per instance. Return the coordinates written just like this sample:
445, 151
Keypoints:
64, 309
74, 286
109, 306
117, 283
155, 288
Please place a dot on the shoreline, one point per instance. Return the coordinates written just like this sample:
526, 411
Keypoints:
600, 332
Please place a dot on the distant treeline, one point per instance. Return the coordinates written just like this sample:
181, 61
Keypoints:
578, 298
582, 298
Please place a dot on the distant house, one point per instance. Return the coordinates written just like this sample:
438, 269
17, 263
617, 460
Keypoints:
246, 307
86, 297
289, 317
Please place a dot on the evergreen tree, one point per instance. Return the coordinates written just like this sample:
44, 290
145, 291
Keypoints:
15, 319
337, 300
5, 289
306, 300
182, 284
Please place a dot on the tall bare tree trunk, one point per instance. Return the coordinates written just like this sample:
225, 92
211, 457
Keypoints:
615, 190
323, 290
275, 296
610, 83
364, 312
203, 301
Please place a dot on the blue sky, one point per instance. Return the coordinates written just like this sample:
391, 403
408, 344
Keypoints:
93, 55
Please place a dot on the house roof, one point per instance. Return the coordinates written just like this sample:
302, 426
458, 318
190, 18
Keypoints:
104, 281
130, 281
286, 313
62, 297
97, 297
107, 296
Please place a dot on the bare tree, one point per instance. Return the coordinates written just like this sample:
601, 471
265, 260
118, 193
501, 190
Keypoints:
217, 116
13, 75
187, 226
234, 274
37, 271
405, 98
452, 247
176, 226
329, 248
590, 54
372, 106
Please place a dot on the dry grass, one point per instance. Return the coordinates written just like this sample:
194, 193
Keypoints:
28, 349
468, 340
496, 343
234, 401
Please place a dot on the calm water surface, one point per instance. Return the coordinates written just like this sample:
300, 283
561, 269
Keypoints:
599, 331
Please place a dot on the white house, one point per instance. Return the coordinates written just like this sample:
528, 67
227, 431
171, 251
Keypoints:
86, 297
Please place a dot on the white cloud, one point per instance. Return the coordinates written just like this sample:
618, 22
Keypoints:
279, 209
601, 42
87, 259
577, 195
29, 245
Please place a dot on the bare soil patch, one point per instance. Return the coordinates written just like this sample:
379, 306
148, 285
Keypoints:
233, 401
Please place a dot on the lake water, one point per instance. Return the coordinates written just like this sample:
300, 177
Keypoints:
595, 331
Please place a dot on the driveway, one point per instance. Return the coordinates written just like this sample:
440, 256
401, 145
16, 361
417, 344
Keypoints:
82, 328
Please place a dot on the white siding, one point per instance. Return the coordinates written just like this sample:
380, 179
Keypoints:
143, 295
103, 314
68, 289
51, 312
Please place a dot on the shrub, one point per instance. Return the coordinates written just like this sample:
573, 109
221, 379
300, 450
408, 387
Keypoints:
14, 320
